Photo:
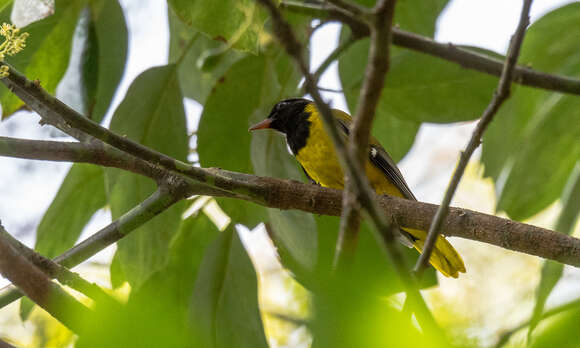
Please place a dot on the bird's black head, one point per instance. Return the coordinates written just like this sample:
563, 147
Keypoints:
286, 116
289, 117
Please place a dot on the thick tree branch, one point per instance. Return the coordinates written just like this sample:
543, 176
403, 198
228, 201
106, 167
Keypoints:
500, 95
39, 288
290, 194
151, 207
448, 51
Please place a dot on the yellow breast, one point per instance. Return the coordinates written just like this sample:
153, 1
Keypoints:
320, 161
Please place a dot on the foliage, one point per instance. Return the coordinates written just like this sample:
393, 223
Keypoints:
192, 285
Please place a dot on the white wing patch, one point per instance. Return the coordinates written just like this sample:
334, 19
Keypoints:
289, 148
374, 152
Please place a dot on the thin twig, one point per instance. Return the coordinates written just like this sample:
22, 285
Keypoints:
500, 95
383, 230
93, 152
504, 338
151, 207
348, 231
328, 12
331, 90
448, 51
40, 289
61, 273
377, 67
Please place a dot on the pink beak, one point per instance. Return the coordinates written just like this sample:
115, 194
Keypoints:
261, 125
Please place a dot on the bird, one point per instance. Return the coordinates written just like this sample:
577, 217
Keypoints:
301, 123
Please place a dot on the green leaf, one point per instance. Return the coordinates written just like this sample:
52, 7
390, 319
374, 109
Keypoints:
372, 269
570, 203
532, 164
538, 172
418, 16
551, 270
414, 15
419, 88
104, 57
238, 23
201, 61
559, 332
223, 137
47, 51
81, 194
225, 298
116, 274
157, 313
296, 230
26, 307
395, 134
398, 116
151, 114
4, 4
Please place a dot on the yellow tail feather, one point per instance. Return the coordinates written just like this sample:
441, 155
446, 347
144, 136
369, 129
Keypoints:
444, 257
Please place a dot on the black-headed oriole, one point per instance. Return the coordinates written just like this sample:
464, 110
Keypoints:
300, 121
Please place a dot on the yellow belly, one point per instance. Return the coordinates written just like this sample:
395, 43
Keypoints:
320, 161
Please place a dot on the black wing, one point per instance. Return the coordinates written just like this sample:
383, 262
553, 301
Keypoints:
381, 159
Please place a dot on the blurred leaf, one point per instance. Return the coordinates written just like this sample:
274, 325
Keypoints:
372, 269
551, 270
561, 332
533, 162
238, 23
415, 91
151, 114
26, 307
6, 4
105, 56
546, 49
346, 316
570, 203
81, 194
156, 314
201, 61
225, 298
47, 51
116, 274
538, 172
